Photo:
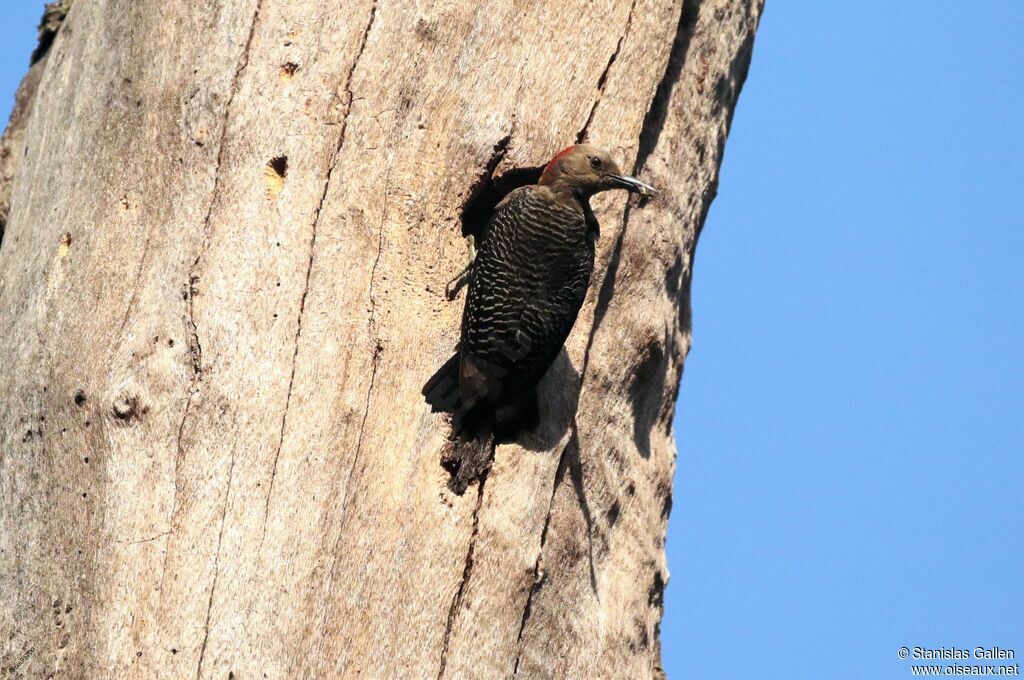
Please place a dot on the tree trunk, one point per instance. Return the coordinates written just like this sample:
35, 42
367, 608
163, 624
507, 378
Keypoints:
222, 286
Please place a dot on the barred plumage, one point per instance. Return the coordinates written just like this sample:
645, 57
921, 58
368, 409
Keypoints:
527, 285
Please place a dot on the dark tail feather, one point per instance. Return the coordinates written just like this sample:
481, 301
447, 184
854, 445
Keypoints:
468, 456
442, 390
469, 419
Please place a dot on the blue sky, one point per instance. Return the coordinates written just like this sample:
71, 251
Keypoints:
17, 40
851, 424
851, 421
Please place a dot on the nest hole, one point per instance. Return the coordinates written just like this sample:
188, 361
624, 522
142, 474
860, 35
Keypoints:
489, 191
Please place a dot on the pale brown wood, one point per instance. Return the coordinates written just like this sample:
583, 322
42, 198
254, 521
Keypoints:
222, 286
12, 142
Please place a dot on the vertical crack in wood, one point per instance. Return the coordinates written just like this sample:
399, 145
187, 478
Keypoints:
195, 349
581, 136
467, 571
374, 364
650, 132
332, 166
654, 123
216, 568
135, 283
657, 113
563, 459
498, 153
538, 568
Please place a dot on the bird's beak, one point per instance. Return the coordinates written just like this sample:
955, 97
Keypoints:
633, 184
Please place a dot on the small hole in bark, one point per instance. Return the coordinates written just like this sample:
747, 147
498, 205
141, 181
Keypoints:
613, 513
279, 165
64, 245
287, 71
274, 175
79, 397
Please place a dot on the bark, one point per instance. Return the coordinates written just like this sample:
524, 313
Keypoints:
222, 286
12, 143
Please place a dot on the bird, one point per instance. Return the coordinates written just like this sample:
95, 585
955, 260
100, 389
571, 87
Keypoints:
528, 279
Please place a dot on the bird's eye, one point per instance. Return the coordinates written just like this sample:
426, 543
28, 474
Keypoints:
595, 162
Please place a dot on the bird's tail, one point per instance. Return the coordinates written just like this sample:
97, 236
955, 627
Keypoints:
441, 391
468, 456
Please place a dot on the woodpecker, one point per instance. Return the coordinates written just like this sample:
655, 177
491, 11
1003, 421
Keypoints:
527, 283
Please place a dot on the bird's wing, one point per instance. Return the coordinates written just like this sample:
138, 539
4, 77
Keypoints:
527, 286
548, 319
495, 302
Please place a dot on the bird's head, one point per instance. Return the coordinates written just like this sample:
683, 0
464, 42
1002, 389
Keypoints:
586, 170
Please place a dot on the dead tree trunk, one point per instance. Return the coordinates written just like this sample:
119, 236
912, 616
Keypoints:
222, 286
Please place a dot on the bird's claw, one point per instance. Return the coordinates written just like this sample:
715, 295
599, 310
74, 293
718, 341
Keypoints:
452, 288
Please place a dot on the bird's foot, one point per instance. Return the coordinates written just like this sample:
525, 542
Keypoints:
452, 288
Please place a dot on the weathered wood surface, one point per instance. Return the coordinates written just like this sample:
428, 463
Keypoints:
12, 142
214, 454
